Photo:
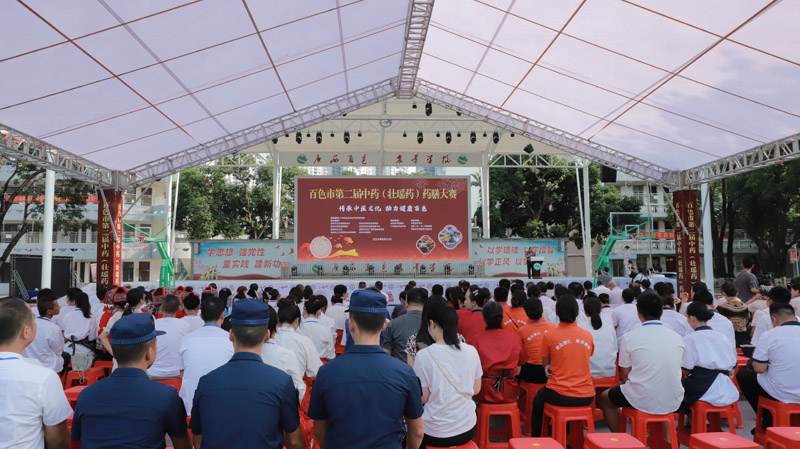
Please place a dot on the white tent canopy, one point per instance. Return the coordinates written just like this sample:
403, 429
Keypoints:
118, 92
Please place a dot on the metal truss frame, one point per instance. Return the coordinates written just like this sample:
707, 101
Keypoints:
772, 153
419, 18
242, 160
547, 134
19, 145
261, 133
531, 161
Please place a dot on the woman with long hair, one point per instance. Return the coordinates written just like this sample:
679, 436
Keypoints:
253, 291
450, 375
80, 329
604, 360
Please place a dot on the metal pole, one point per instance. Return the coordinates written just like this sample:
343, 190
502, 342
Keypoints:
485, 196
174, 216
170, 217
650, 226
47, 244
587, 236
277, 187
708, 248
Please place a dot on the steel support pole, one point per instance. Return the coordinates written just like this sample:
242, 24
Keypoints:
277, 188
485, 196
47, 243
170, 217
708, 247
587, 236
171, 241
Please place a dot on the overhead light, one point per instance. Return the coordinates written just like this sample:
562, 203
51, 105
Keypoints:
448, 137
496, 137
528, 148
308, 133
414, 105
512, 134
404, 134
359, 134
347, 137
458, 134
438, 134
319, 136
298, 137
419, 137
275, 141
472, 137
331, 134
458, 113
344, 115
287, 135
484, 134
386, 122
428, 109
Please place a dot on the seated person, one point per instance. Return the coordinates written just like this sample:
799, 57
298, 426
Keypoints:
604, 359
471, 324
566, 352
736, 311
762, 321
532, 335
650, 358
708, 363
501, 355
167, 365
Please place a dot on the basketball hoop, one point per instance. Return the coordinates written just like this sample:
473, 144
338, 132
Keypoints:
138, 241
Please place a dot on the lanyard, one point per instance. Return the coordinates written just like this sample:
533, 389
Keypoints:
9, 358
311, 321
652, 324
42, 318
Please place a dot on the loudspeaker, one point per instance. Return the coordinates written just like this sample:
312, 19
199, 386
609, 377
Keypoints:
528, 148
608, 174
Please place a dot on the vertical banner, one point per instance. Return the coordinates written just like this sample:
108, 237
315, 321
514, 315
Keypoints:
687, 245
109, 251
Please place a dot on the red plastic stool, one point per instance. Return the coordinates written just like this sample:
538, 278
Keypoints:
88, 377
485, 412
782, 438
782, 416
527, 391
600, 385
72, 394
612, 441
642, 423
107, 366
741, 362
705, 418
563, 417
69, 421
737, 416
720, 440
469, 445
171, 382
533, 443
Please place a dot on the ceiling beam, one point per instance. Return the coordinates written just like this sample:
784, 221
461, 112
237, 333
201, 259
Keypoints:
419, 18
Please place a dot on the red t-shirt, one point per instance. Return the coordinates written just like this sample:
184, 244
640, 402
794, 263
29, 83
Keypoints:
532, 335
471, 326
569, 348
514, 318
499, 350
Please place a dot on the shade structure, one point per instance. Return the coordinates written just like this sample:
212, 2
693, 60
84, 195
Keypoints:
118, 92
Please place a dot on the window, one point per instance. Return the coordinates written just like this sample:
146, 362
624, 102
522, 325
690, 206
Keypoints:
127, 271
144, 271
638, 193
129, 195
147, 197
145, 230
9, 231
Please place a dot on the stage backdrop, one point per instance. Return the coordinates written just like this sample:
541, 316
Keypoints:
376, 219
506, 258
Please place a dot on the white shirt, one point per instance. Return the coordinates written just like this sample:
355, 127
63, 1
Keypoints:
77, 326
654, 353
607, 313
279, 357
781, 348
626, 319
201, 352
329, 323
30, 397
320, 335
302, 347
547, 302
711, 350
337, 312
448, 412
603, 362
167, 358
58, 320
721, 324
602, 289
195, 322
676, 322
615, 297
47, 346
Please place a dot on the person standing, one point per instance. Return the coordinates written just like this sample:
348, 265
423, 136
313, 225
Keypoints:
127, 409
360, 398
529, 255
48, 346
233, 403
33, 407
401, 328
167, 365
604, 277
746, 282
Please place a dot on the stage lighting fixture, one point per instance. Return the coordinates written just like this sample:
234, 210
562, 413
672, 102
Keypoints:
428, 109
495, 137
359, 134
404, 134
458, 134
484, 134
275, 140
286, 135
448, 137
298, 137
438, 134
319, 137
347, 137
414, 105
512, 134
472, 137
458, 113
331, 134
419, 137
528, 148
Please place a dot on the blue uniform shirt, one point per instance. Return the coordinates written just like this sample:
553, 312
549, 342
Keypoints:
245, 403
364, 394
127, 409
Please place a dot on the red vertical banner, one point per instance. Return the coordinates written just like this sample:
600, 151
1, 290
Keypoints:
687, 244
109, 250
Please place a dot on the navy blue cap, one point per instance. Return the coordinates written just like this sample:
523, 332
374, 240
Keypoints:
367, 301
250, 312
134, 329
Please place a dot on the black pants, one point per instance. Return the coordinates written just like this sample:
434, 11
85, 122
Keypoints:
456, 440
530, 270
533, 374
67, 357
752, 391
551, 397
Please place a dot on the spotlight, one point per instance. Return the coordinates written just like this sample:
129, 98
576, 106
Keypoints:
512, 134
286, 135
448, 137
428, 109
359, 134
414, 105
472, 137
458, 113
419, 137
458, 134
344, 115
331, 134
319, 137
404, 134
308, 133
275, 140
484, 134
347, 137
528, 148
298, 137
496, 137
438, 134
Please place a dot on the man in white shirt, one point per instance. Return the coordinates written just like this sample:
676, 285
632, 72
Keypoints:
606, 312
204, 350
650, 359
601, 288
615, 296
302, 347
626, 317
166, 365
336, 310
763, 320
33, 408
677, 322
48, 346
276, 355
191, 304
316, 331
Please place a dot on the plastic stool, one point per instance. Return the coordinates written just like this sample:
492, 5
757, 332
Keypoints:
84, 377
601, 384
737, 416
612, 441
782, 415
338, 348
485, 412
705, 418
741, 362
533, 443
642, 422
782, 438
469, 445
69, 421
72, 394
171, 382
529, 390
107, 366
562, 417
720, 440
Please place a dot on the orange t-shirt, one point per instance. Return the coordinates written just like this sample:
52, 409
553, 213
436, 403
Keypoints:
569, 348
532, 335
514, 318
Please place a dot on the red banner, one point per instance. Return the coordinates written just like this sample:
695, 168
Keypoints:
109, 251
40, 199
687, 246
382, 219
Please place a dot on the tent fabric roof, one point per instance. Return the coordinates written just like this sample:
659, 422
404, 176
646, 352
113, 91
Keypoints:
149, 88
